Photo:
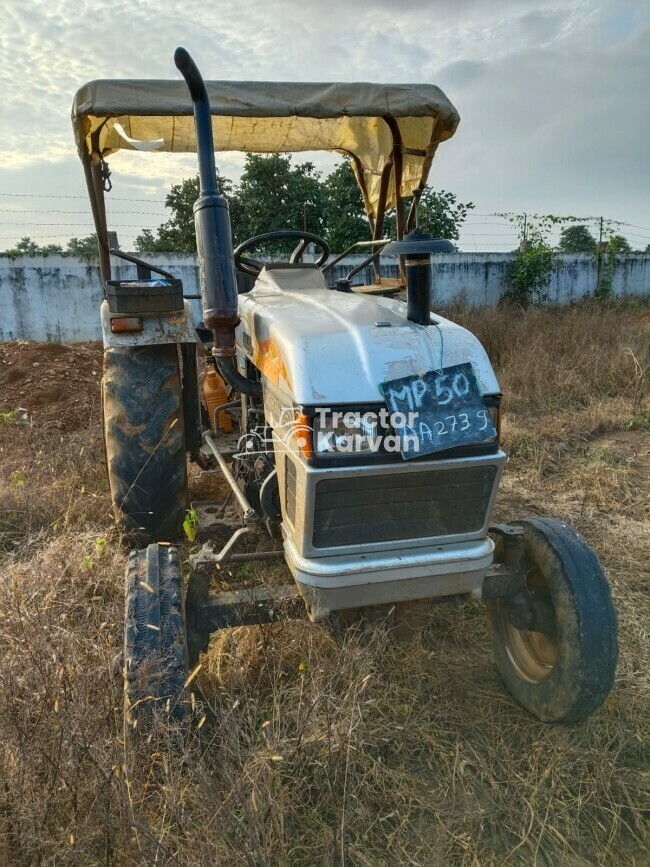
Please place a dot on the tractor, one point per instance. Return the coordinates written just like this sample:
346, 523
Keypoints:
354, 429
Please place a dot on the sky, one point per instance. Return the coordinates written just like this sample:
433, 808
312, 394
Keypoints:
554, 98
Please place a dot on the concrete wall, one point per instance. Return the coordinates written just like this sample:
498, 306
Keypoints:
56, 298
481, 276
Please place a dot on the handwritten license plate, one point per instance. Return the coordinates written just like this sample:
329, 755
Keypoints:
437, 411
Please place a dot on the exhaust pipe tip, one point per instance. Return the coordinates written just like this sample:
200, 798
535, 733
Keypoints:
190, 72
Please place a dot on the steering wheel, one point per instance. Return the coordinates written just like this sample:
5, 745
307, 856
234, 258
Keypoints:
253, 266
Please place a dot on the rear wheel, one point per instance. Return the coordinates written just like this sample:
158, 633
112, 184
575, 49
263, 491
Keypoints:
144, 437
563, 671
155, 642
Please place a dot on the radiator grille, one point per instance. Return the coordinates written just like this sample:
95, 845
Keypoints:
361, 509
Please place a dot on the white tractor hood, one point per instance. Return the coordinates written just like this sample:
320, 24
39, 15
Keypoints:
321, 347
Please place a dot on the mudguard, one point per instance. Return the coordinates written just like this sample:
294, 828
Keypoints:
157, 328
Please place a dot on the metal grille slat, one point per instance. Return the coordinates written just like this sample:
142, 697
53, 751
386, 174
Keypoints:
420, 493
290, 473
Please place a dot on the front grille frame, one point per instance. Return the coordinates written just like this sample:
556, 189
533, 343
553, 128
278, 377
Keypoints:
399, 507
301, 527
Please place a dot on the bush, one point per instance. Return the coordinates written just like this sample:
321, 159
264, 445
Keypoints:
529, 274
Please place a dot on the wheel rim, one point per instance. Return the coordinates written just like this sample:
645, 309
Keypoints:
533, 654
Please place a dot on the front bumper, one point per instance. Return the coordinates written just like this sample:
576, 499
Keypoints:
357, 580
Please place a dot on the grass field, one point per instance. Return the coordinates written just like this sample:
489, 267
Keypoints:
358, 750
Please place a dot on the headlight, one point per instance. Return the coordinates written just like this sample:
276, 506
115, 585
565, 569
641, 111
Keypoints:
495, 417
347, 433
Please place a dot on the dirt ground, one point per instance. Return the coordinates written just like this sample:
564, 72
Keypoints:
317, 749
56, 385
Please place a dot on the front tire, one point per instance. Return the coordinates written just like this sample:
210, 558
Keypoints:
566, 672
155, 640
144, 437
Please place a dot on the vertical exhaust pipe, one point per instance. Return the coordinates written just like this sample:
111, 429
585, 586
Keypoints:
212, 222
416, 248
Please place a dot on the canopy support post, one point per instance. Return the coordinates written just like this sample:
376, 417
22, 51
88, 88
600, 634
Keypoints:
95, 186
397, 175
381, 210
411, 220
361, 179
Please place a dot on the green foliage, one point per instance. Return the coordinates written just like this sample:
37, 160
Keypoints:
18, 479
619, 244
528, 275
27, 247
439, 213
344, 213
177, 234
616, 244
14, 417
82, 248
577, 239
101, 546
274, 194
190, 524
85, 248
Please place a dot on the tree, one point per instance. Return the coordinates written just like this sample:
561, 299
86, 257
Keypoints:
344, 213
27, 247
439, 213
577, 239
274, 195
84, 248
619, 244
177, 235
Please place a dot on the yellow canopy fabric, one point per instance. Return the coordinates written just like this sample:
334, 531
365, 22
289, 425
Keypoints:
274, 117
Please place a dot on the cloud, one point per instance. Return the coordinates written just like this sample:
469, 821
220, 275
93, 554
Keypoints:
539, 28
560, 130
549, 92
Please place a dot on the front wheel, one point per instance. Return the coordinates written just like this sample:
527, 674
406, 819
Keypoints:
155, 640
565, 672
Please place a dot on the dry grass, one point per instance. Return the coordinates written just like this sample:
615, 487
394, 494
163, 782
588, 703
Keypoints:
319, 750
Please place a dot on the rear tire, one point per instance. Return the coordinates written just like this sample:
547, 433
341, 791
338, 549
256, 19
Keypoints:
144, 437
566, 673
155, 641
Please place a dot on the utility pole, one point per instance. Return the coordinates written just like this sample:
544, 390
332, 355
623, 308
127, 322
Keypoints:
523, 241
599, 261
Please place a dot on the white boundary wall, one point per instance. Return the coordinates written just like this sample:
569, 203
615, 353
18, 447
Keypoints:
56, 298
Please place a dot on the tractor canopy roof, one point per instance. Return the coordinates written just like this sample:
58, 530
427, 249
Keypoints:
385, 128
